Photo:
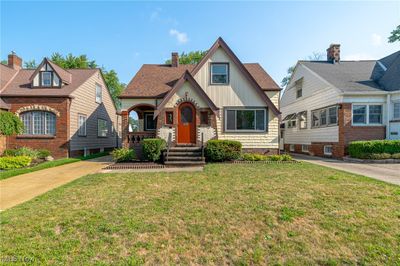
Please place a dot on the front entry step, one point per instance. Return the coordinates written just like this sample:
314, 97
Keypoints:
184, 163
184, 156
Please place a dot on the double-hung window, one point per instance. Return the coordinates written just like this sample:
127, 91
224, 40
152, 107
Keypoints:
246, 120
396, 111
219, 73
332, 115
327, 116
102, 128
315, 119
364, 114
99, 93
81, 125
46, 77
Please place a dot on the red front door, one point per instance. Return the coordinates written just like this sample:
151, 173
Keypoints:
186, 124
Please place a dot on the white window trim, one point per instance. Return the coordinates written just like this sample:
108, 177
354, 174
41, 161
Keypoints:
227, 73
98, 131
100, 98
326, 152
318, 111
305, 120
367, 115
145, 123
303, 148
42, 80
79, 125
245, 130
43, 116
393, 115
291, 147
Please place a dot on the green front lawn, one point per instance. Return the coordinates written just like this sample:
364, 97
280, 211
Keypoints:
293, 214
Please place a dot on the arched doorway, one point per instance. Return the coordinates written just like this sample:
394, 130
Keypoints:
186, 124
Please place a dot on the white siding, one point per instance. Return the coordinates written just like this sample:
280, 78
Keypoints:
238, 93
316, 94
84, 103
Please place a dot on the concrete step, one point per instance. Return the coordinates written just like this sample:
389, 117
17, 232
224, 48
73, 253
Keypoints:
185, 149
183, 153
184, 163
184, 158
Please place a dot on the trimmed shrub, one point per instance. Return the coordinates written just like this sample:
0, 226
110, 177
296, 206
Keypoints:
10, 124
43, 153
396, 156
379, 156
223, 150
123, 155
362, 149
7, 163
152, 149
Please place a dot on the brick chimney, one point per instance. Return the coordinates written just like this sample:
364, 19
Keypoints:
14, 61
174, 59
333, 53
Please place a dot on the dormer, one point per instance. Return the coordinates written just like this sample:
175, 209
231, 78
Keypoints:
49, 75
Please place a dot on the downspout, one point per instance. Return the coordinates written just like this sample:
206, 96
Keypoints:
388, 108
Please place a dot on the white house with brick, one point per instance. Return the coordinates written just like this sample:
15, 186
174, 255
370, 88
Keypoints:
328, 104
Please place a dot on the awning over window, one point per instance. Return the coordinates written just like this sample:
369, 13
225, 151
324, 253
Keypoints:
290, 117
302, 115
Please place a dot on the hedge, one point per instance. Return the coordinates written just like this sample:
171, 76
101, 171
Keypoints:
261, 157
223, 150
364, 149
152, 149
7, 163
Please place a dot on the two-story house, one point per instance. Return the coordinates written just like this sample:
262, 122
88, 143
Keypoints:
328, 104
69, 112
218, 98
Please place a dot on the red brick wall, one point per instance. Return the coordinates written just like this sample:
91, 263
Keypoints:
57, 145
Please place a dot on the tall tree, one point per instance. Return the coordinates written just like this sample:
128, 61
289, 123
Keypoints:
189, 58
316, 56
395, 35
31, 64
4, 62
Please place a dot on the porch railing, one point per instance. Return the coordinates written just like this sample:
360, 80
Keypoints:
135, 138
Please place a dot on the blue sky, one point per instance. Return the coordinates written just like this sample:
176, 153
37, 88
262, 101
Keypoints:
125, 35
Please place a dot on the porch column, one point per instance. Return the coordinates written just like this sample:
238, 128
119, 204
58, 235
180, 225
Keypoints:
125, 128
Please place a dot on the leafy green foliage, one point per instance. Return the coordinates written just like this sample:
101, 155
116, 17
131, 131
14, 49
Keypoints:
396, 155
193, 57
43, 153
10, 124
123, 155
82, 61
23, 151
31, 64
152, 149
363, 149
395, 35
13, 162
223, 150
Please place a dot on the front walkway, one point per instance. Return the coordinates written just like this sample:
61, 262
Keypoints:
389, 173
18, 189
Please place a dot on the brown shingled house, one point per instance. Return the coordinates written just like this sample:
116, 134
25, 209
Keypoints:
69, 112
187, 105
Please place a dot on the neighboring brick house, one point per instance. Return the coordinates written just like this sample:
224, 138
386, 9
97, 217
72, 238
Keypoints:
218, 98
69, 112
328, 104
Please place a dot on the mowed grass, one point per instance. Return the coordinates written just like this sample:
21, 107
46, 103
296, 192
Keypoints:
293, 214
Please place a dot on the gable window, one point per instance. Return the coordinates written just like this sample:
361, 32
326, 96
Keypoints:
364, 114
46, 77
81, 125
102, 128
169, 118
149, 122
99, 93
396, 111
219, 73
245, 120
39, 123
302, 119
204, 118
299, 90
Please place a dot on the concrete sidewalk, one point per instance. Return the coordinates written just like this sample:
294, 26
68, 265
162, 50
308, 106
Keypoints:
18, 189
385, 172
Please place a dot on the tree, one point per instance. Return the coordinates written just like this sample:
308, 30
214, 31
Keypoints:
30, 64
189, 58
110, 77
4, 62
316, 56
10, 124
395, 35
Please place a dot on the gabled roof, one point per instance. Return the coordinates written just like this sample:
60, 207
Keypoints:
390, 79
189, 78
6, 75
220, 43
63, 74
3, 105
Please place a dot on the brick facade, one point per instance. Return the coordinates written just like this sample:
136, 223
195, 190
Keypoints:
58, 145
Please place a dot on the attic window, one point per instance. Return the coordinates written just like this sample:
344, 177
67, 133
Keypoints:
219, 73
46, 77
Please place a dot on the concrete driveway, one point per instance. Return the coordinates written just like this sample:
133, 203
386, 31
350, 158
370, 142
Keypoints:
385, 172
21, 188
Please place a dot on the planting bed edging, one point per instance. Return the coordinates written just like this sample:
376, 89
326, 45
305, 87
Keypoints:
384, 161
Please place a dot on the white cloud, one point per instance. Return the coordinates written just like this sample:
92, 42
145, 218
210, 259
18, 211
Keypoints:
181, 37
357, 57
155, 15
376, 39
